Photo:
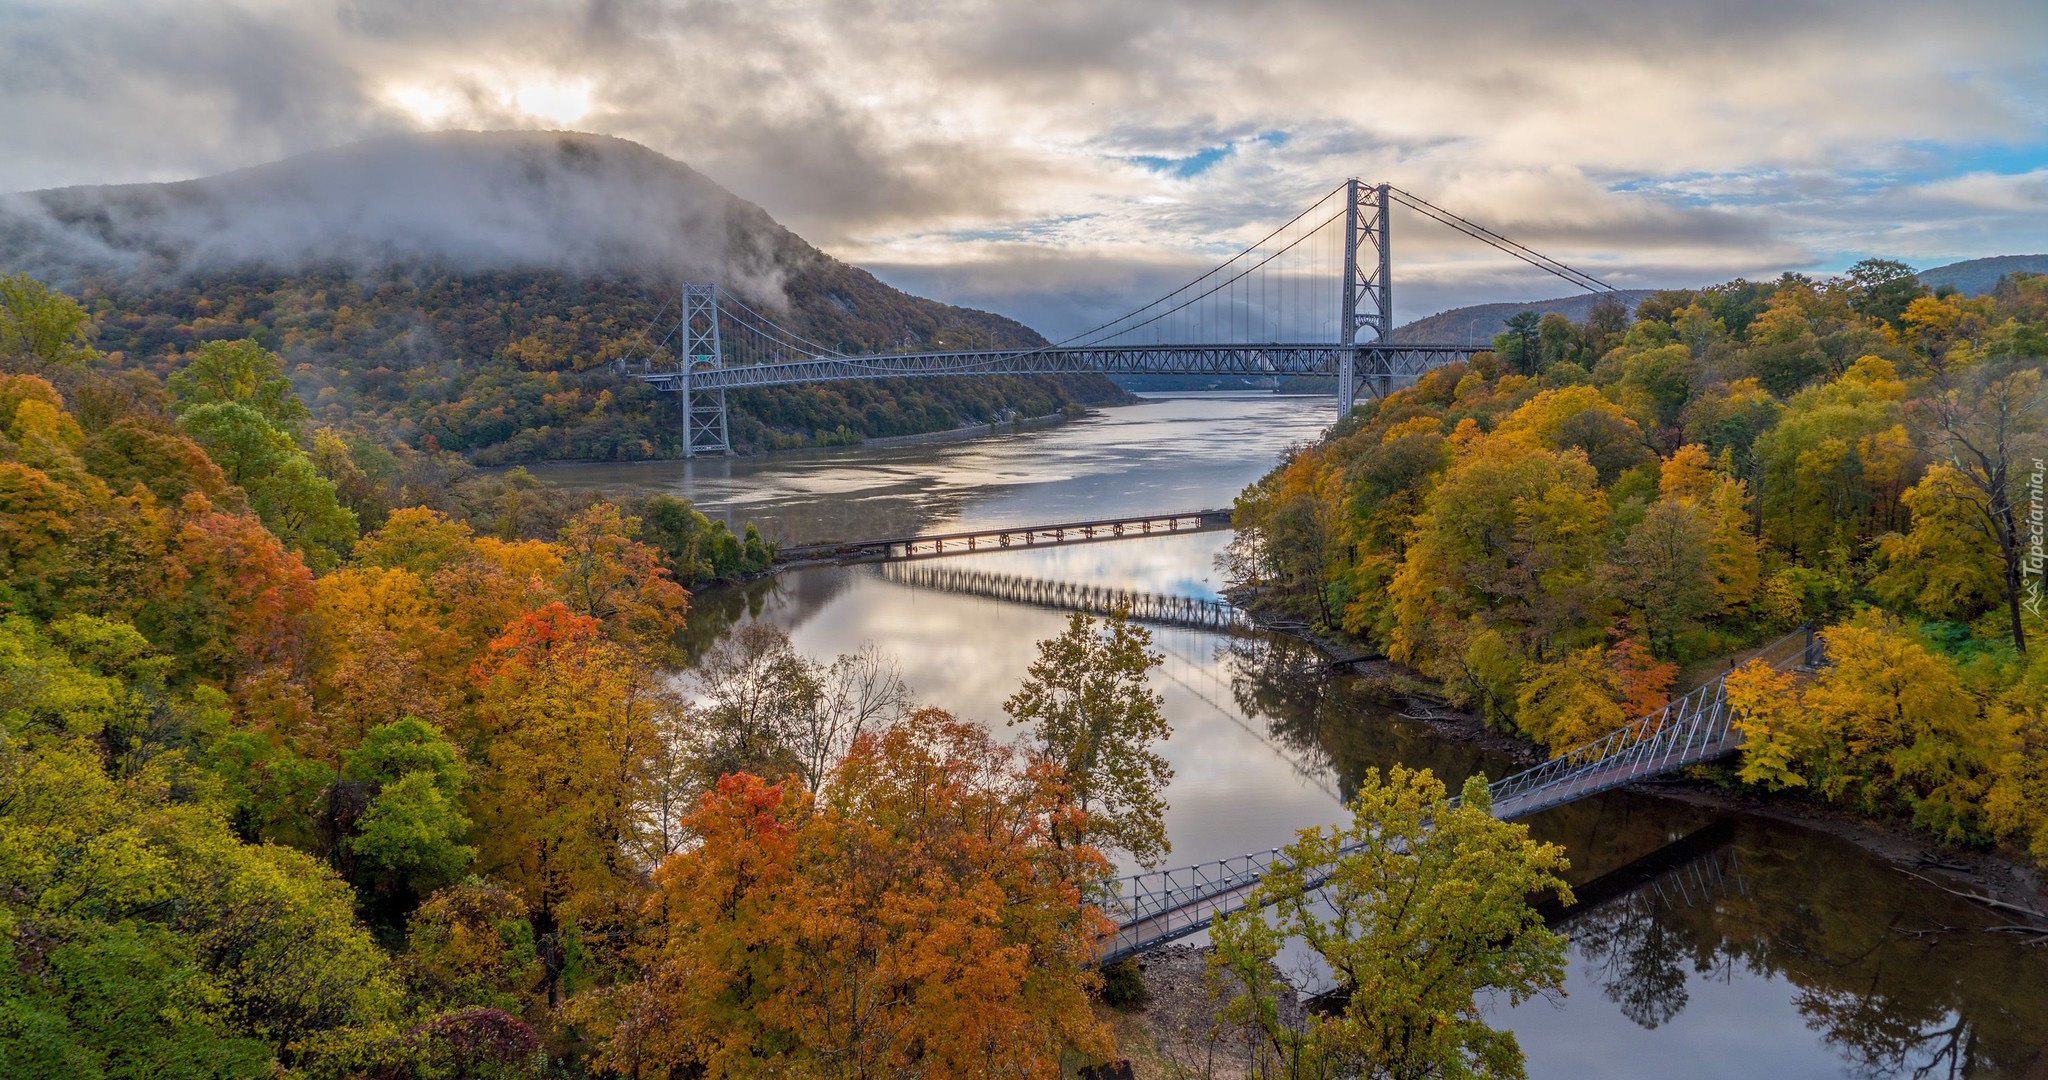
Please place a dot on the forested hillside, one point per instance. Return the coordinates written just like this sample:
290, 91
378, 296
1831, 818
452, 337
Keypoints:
313, 772
472, 289
1562, 531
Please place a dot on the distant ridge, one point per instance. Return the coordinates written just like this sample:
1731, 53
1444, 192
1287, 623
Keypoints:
1478, 323
1976, 276
470, 287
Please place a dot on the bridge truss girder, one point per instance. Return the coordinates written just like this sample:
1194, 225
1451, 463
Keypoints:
1162, 905
1390, 363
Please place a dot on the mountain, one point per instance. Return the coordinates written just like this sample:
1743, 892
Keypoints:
472, 287
1478, 323
1975, 276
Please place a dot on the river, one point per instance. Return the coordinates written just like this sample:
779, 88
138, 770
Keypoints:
1760, 949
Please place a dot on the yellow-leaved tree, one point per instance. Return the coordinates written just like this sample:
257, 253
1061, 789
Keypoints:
1424, 905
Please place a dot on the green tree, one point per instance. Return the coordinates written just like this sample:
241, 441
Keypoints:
1663, 574
41, 326
409, 838
1094, 715
1423, 904
1518, 347
1883, 288
297, 503
242, 373
172, 925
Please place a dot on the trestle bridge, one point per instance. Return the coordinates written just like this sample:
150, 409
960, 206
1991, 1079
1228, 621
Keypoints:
1006, 537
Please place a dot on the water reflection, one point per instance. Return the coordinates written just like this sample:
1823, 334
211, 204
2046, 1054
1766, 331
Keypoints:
1784, 917
1170, 453
1793, 956
1712, 945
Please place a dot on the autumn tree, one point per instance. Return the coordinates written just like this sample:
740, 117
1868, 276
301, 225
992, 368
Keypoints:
916, 921
571, 722
1897, 730
1416, 907
1990, 422
1509, 542
1950, 563
470, 945
1777, 736
609, 575
1093, 715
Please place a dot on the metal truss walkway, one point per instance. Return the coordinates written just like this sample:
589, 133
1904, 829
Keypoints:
1009, 537
1159, 906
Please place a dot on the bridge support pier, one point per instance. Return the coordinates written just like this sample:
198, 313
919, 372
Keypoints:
1368, 286
704, 422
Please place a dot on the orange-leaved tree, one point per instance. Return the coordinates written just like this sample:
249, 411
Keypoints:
915, 921
573, 726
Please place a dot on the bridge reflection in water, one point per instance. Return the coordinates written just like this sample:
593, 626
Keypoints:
1158, 906
1182, 611
1162, 905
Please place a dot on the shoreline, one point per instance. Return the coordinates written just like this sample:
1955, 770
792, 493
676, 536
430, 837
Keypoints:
972, 431
1997, 875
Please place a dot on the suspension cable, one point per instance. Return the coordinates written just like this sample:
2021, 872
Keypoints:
1493, 239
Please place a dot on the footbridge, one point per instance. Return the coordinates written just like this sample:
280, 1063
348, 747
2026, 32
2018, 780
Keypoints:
1161, 905
1006, 537
1313, 297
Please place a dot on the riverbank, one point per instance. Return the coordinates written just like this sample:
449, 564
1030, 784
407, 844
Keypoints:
1179, 1031
1997, 879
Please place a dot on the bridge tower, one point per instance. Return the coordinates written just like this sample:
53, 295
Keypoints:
704, 423
1368, 288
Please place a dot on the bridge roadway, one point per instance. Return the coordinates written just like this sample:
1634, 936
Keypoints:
1369, 361
1004, 537
1161, 905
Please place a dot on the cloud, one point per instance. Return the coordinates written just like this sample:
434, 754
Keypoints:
519, 200
1076, 143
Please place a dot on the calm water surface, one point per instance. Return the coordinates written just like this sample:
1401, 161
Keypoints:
1755, 949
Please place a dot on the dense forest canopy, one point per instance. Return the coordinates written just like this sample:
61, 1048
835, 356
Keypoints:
469, 291
1562, 531
321, 759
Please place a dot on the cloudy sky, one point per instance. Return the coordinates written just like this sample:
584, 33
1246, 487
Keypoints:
1049, 158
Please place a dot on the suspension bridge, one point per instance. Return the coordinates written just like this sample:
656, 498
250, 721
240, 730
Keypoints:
1161, 905
1314, 297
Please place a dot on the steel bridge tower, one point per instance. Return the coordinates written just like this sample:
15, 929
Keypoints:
704, 423
1368, 287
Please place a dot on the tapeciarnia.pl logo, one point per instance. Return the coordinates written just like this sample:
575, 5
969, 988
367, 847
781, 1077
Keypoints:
2036, 556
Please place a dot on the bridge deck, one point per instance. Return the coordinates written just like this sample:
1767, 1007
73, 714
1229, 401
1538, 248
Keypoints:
1160, 906
1370, 361
932, 545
